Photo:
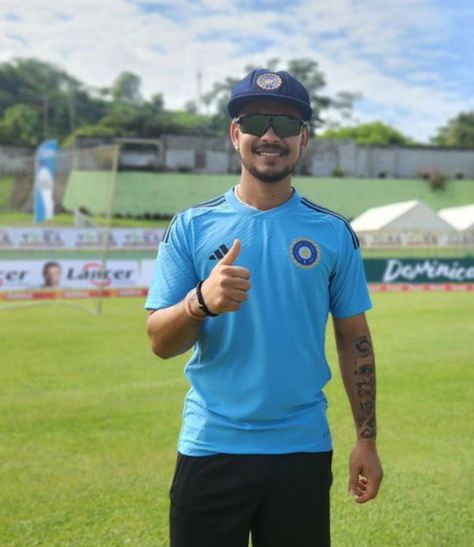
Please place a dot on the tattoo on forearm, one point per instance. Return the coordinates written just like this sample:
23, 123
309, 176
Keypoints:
363, 346
368, 431
364, 381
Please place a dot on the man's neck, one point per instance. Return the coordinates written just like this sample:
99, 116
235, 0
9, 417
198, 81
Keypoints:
264, 195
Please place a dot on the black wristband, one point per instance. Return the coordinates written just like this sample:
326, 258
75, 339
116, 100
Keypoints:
202, 304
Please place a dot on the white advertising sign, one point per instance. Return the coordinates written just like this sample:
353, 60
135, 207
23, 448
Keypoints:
66, 274
79, 238
146, 274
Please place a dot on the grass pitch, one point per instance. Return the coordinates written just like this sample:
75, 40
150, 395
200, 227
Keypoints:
90, 420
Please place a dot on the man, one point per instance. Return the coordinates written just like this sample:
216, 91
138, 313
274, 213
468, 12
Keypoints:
249, 278
51, 275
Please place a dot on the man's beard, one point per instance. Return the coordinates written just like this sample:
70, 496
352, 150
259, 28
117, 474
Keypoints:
269, 175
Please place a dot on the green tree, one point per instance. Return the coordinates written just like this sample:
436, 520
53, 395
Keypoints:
61, 101
126, 88
459, 131
20, 124
156, 104
306, 70
369, 133
191, 107
148, 120
39, 100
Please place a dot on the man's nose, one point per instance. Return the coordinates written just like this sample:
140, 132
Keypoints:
270, 135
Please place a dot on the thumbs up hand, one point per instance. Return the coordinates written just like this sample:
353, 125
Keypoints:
231, 255
226, 287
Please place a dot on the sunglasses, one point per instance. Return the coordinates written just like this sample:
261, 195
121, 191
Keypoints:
258, 124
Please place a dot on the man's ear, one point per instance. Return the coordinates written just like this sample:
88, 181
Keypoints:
304, 138
234, 134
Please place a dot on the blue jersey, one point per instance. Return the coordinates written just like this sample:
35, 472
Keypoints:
257, 374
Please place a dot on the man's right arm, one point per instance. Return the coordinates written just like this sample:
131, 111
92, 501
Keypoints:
175, 329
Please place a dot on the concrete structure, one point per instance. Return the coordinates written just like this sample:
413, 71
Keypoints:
16, 159
351, 159
196, 154
323, 158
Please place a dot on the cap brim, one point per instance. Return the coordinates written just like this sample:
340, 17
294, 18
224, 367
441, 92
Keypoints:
235, 105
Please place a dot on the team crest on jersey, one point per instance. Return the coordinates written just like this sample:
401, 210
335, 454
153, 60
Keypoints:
305, 253
269, 81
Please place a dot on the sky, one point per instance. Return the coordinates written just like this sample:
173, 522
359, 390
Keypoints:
410, 60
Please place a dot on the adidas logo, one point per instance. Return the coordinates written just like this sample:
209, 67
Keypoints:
219, 253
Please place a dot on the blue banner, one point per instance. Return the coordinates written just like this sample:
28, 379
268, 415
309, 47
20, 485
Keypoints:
45, 168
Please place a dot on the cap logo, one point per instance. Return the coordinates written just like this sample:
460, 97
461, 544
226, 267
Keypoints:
269, 81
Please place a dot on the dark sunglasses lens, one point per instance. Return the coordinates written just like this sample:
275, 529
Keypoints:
255, 125
285, 126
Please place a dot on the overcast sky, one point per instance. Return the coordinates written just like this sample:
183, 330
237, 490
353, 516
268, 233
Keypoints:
412, 60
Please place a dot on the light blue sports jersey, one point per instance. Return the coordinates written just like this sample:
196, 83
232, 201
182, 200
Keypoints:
257, 374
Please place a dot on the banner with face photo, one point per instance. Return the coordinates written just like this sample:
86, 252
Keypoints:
67, 274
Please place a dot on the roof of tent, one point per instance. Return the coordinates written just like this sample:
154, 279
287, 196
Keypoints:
407, 215
461, 218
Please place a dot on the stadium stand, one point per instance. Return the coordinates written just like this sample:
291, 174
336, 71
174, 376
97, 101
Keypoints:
141, 194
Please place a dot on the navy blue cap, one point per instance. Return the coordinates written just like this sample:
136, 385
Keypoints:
265, 84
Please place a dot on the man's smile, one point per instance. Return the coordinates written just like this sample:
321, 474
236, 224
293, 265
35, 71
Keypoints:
270, 152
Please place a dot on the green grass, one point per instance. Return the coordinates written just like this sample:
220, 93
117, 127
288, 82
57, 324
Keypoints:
90, 420
10, 218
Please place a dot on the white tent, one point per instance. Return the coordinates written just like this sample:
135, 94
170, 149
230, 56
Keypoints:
404, 216
460, 218
400, 224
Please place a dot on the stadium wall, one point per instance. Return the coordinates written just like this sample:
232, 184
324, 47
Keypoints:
15, 159
323, 157
388, 161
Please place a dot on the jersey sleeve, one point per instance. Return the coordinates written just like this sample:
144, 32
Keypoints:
174, 274
348, 291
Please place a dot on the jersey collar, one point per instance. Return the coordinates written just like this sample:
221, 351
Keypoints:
245, 209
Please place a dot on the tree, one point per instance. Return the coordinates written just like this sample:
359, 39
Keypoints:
369, 133
126, 88
306, 70
60, 101
191, 107
459, 131
219, 97
39, 100
147, 120
20, 124
156, 104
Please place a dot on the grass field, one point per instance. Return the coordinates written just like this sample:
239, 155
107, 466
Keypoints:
90, 420
65, 219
